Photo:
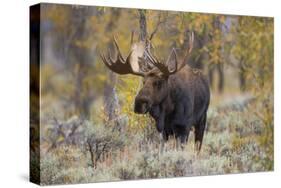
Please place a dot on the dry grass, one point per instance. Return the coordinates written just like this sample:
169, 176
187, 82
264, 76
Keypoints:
234, 143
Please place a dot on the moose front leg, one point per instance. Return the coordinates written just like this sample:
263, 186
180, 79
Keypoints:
159, 114
162, 143
181, 124
182, 135
160, 124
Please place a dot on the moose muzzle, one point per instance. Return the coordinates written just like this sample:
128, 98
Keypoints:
142, 105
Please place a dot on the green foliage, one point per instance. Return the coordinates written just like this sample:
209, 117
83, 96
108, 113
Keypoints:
127, 87
254, 50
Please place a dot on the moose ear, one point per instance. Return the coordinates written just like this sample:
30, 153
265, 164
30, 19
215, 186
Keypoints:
172, 60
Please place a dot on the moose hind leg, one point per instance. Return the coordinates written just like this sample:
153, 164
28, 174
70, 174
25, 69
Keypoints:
199, 132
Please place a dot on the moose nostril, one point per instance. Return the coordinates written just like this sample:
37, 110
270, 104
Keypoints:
141, 105
142, 101
139, 102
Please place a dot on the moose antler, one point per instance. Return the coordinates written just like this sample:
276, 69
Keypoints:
163, 67
120, 65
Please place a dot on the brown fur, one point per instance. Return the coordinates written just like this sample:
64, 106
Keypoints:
176, 102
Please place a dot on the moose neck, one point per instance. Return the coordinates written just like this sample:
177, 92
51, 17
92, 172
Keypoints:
166, 106
160, 111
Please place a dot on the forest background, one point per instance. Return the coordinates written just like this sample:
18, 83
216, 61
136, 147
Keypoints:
88, 129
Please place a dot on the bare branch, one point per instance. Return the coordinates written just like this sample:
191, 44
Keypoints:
157, 26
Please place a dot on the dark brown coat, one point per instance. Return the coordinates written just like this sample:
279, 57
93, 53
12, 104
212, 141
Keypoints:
176, 103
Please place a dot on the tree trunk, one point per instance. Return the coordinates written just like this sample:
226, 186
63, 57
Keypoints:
242, 75
221, 77
142, 23
111, 102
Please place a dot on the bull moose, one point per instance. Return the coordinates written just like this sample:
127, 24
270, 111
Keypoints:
177, 99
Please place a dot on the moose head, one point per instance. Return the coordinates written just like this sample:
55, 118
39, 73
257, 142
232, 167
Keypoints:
156, 73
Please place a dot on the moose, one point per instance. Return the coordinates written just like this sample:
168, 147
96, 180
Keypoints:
176, 99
